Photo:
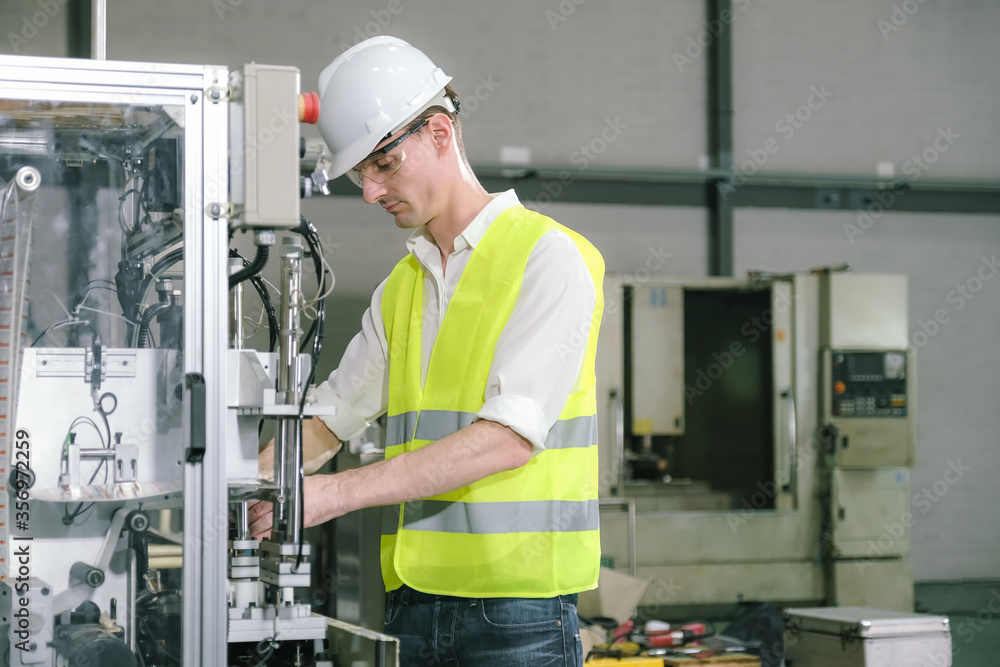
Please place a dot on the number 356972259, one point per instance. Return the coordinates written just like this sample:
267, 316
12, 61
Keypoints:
23, 476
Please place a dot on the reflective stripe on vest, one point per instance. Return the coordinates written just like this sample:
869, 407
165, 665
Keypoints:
436, 424
527, 532
530, 516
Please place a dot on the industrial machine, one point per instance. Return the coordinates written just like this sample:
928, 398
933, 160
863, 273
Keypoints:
131, 408
759, 433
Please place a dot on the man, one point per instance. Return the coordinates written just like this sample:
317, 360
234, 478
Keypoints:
480, 346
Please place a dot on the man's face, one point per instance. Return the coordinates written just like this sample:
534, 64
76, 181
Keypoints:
404, 192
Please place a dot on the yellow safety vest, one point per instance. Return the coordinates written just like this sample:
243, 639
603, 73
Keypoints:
529, 532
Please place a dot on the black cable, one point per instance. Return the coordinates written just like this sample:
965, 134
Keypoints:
309, 232
272, 317
265, 298
130, 300
267, 652
147, 319
165, 263
141, 546
83, 292
316, 332
159, 267
68, 518
144, 624
85, 420
259, 260
56, 324
104, 413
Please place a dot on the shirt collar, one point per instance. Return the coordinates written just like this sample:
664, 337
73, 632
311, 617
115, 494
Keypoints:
475, 230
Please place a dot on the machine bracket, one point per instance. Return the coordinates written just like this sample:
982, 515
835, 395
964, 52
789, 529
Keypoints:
78, 363
217, 210
217, 94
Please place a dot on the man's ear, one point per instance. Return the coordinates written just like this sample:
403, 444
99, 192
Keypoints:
441, 129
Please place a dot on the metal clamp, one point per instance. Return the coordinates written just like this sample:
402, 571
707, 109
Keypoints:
217, 210
218, 94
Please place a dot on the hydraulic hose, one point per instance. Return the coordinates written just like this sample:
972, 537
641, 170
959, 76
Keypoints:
259, 260
147, 319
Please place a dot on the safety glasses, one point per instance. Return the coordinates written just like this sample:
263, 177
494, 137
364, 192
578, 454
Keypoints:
381, 165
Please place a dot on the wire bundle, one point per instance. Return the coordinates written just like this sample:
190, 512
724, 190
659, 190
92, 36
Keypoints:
69, 518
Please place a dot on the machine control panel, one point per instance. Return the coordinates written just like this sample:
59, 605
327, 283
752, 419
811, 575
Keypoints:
868, 384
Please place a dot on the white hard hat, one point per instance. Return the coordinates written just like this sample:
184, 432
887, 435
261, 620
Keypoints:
371, 90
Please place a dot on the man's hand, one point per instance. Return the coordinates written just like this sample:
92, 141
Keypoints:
261, 517
319, 445
466, 456
320, 504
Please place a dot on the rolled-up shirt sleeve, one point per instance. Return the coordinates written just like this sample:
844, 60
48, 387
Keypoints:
359, 386
538, 358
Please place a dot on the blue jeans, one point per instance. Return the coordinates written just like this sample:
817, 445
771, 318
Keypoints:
440, 630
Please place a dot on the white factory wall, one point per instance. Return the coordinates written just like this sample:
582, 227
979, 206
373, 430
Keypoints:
890, 74
888, 78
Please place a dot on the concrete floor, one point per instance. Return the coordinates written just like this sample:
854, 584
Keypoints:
973, 608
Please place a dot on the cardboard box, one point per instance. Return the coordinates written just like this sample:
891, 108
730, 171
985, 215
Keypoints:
617, 595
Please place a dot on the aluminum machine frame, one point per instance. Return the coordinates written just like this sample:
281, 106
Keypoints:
128, 543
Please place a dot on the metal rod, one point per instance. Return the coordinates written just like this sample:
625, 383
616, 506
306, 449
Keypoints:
633, 550
242, 522
97, 453
288, 340
628, 505
290, 435
236, 307
99, 30
619, 422
287, 442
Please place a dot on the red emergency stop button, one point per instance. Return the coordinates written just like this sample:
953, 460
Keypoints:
308, 108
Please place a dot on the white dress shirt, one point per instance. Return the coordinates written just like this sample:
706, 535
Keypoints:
538, 357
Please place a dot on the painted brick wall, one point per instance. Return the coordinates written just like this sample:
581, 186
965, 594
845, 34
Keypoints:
895, 71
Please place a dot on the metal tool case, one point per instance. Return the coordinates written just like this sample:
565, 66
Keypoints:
865, 637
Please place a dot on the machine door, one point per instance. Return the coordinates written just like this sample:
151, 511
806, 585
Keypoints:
112, 272
708, 418
786, 431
